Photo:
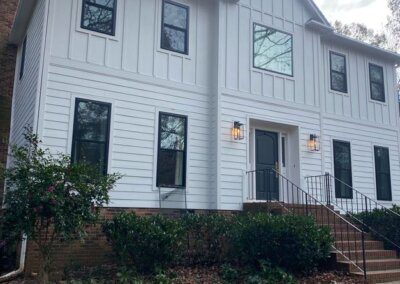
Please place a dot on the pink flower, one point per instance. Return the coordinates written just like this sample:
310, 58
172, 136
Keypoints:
51, 188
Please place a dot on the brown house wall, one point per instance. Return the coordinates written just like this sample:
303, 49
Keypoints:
7, 67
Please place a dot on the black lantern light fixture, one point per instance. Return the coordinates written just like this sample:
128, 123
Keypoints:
313, 143
238, 131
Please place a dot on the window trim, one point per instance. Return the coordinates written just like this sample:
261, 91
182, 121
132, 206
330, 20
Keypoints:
334, 167
370, 64
292, 55
23, 57
107, 143
331, 71
186, 31
185, 152
390, 174
114, 15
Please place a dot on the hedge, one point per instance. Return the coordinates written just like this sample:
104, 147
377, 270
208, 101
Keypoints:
293, 243
387, 224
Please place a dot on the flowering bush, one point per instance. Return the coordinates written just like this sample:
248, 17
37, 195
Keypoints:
50, 199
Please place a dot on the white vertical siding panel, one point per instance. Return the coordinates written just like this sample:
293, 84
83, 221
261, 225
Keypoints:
131, 36
244, 49
147, 38
97, 46
61, 28
27, 88
232, 47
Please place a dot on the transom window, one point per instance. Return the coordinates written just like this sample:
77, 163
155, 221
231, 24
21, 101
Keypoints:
343, 171
272, 50
91, 133
376, 81
175, 27
171, 164
99, 16
382, 174
338, 72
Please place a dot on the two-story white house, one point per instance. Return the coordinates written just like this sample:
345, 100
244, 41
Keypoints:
185, 97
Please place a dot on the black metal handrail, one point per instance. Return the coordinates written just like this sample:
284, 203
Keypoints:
270, 186
346, 198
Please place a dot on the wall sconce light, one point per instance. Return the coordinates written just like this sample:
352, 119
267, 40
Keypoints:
313, 143
238, 131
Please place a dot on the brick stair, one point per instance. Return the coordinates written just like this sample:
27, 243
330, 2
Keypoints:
382, 265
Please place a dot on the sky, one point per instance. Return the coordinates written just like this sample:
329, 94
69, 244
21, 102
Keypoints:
372, 13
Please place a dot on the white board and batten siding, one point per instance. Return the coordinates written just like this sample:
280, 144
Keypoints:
26, 89
250, 93
354, 117
214, 85
140, 80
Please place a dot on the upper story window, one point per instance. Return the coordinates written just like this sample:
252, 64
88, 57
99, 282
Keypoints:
175, 27
272, 50
376, 81
172, 144
22, 63
99, 16
338, 72
91, 133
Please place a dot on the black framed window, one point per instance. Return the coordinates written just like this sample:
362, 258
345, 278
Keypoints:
342, 168
99, 16
272, 50
91, 133
172, 147
382, 174
175, 27
338, 72
22, 63
376, 81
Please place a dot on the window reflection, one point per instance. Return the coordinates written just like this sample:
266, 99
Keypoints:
98, 16
174, 30
273, 50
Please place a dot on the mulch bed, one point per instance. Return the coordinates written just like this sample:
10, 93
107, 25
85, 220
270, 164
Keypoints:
210, 275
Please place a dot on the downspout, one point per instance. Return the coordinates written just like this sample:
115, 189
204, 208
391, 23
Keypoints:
20, 270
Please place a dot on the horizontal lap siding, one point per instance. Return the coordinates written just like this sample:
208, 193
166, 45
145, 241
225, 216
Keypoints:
363, 138
26, 89
234, 157
133, 132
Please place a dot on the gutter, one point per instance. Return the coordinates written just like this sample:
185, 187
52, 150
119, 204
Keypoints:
20, 270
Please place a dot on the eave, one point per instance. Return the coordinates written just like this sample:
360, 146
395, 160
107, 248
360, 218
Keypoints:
21, 21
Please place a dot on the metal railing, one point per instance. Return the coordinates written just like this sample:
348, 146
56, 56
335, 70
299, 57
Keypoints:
350, 201
277, 191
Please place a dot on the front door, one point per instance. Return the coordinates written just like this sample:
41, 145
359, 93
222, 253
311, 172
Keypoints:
267, 157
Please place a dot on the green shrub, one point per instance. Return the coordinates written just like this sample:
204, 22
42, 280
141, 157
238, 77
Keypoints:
229, 274
147, 243
381, 221
291, 242
269, 274
206, 237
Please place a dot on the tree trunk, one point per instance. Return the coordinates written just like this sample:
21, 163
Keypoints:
45, 267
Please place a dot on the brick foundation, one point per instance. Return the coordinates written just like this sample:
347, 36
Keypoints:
7, 67
95, 250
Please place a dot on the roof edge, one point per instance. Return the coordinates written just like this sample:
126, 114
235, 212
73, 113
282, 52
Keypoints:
21, 21
319, 13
